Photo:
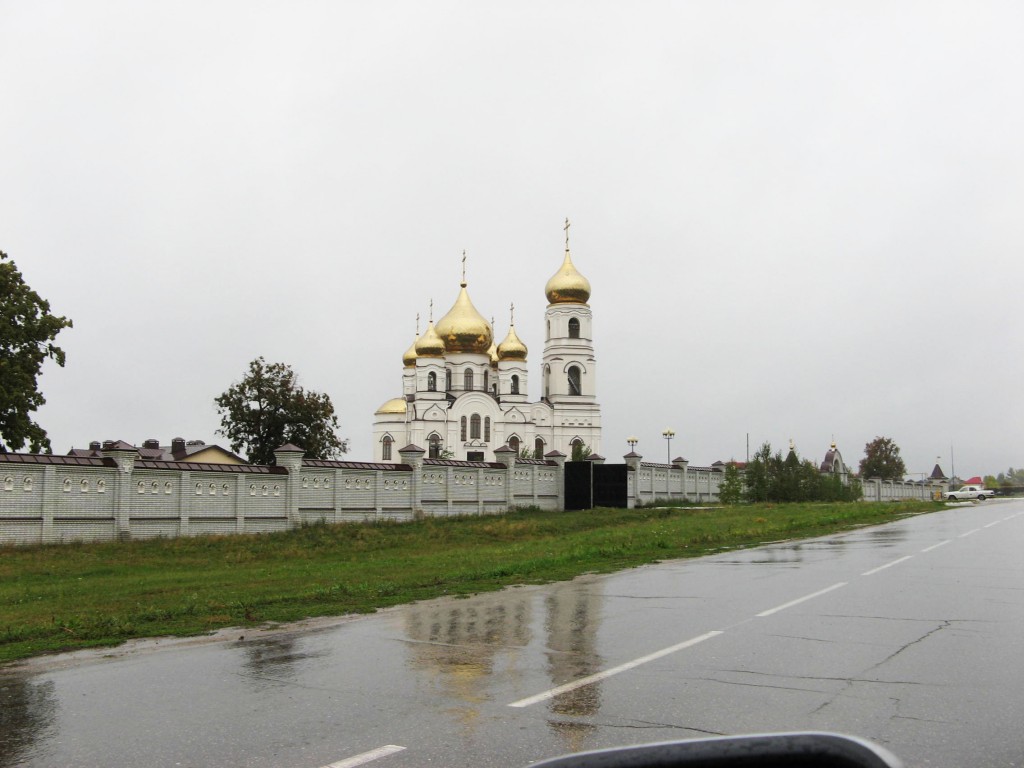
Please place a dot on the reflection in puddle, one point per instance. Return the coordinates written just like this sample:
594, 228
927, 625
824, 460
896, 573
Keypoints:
572, 621
456, 643
574, 734
272, 661
27, 713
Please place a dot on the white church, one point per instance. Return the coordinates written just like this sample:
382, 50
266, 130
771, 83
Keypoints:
464, 395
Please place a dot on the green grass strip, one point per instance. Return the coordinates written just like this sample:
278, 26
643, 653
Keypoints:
72, 596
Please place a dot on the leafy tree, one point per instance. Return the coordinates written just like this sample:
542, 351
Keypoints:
27, 332
580, 452
758, 474
882, 460
268, 408
731, 489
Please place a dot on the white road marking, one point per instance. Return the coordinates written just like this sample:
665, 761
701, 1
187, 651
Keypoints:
997, 522
367, 757
965, 535
799, 600
550, 694
936, 546
887, 565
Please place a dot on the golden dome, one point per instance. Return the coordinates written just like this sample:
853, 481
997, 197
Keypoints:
464, 329
394, 405
409, 358
511, 348
430, 344
567, 286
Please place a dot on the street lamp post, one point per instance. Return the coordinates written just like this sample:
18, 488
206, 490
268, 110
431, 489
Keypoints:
668, 434
632, 444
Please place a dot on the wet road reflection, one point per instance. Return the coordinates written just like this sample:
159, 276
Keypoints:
28, 712
573, 618
454, 646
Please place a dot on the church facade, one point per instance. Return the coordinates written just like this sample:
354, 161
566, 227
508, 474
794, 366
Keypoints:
464, 395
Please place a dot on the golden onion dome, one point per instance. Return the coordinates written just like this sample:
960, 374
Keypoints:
409, 358
395, 405
567, 285
512, 348
430, 344
464, 329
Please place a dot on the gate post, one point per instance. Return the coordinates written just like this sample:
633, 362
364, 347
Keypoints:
559, 458
507, 456
632, 460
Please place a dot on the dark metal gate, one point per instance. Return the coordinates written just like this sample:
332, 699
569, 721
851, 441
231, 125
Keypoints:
589, 485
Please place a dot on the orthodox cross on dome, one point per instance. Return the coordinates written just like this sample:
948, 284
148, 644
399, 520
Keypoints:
566, 228
431, 310
512, 313
417, 323
463, 266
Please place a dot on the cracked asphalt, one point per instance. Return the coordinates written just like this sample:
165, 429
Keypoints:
910, 634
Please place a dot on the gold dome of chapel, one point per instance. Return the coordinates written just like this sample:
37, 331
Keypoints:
567, 285
464, 329
430, 344
395, 405
512, 348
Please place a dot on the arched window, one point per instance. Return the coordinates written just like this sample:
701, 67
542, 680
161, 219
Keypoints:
463, 434
486, 381
467, 379
474, 427
447, 379
547, 380
487, 429
576, 452
513, 443
435, 446
574, 380
515, 384
385, 448
574, 328
538, 448
431, 382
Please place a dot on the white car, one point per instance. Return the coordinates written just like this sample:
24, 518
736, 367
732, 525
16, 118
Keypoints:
970, 493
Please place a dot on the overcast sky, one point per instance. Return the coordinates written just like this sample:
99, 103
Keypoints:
799, 219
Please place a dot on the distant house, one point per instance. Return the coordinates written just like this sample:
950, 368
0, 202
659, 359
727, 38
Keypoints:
193, 451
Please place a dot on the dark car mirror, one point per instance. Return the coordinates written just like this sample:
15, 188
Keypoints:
776, 750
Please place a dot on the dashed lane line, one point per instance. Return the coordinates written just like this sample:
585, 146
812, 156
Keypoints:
887, 565
799, 600
550, 694
936, 546
366, 757
965, 535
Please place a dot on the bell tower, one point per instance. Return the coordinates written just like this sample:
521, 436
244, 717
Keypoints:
569, 373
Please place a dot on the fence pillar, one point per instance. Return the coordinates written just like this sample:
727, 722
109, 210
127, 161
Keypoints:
413, 456
559, 458
290, 457
124, 456
507, 457
680, 463
632, 460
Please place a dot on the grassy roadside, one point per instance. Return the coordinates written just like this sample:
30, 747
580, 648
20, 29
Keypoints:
73, 596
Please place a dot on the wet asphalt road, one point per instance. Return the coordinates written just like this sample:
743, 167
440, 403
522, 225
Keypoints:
910, 634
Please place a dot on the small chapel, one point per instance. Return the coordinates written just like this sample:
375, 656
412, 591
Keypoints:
465, 395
